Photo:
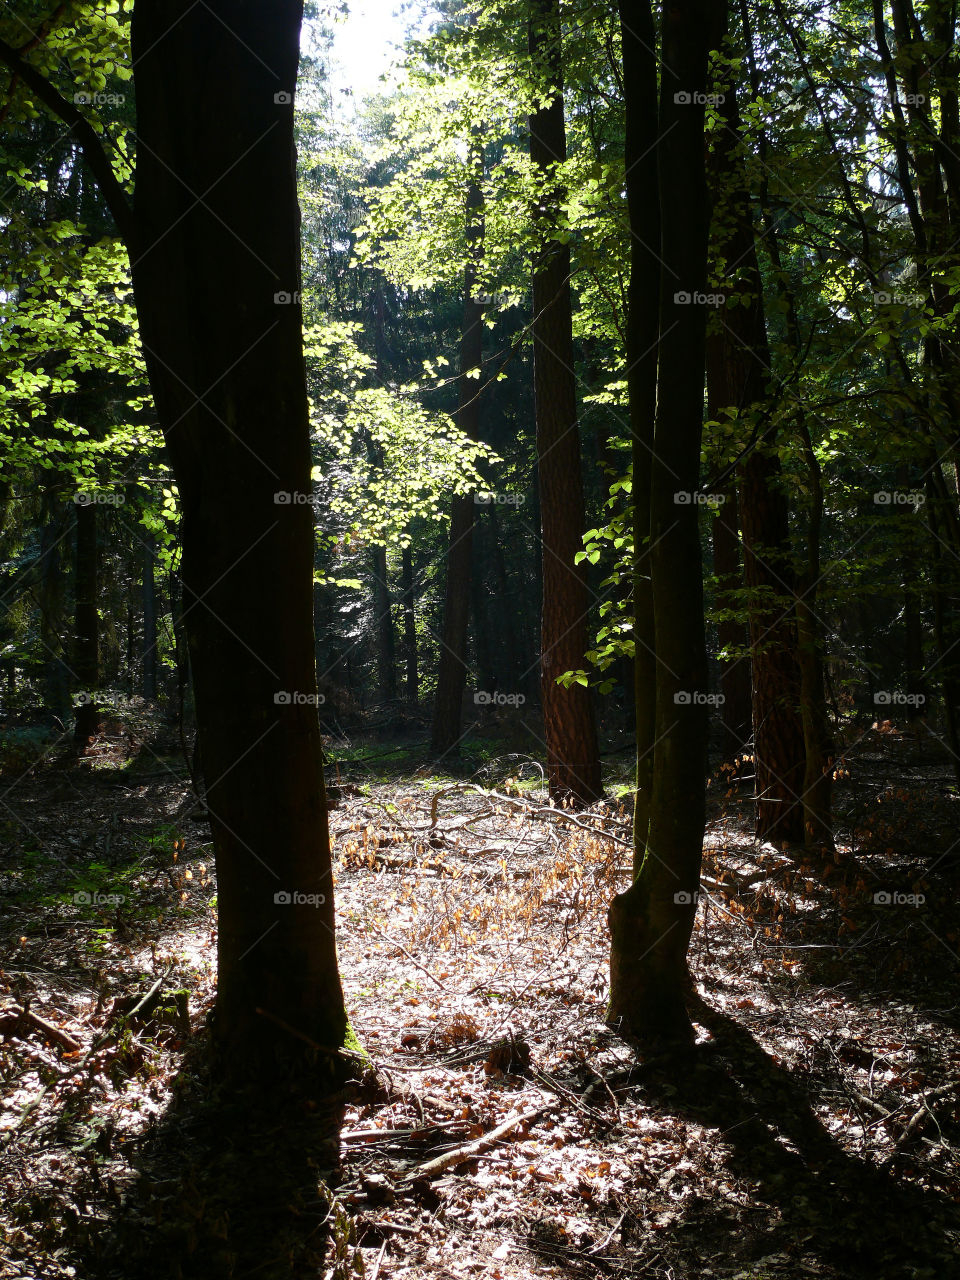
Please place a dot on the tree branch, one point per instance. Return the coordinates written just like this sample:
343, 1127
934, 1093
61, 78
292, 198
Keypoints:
90, 144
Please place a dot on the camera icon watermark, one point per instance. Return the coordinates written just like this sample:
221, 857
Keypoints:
286, 698
283, 98
683, 898
483, 698
283, 298
294, 898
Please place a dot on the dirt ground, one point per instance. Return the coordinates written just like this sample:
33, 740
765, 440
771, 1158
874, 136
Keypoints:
501, 1130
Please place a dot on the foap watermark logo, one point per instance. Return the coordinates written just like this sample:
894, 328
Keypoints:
891, 898
502, 298
494, 698
887, 101
86, 98
893, 698
99, 499
898, 498
682, 498
694, 698
487, 498
283, 298
897, 298
94, 898
295, 898
695, 98
684, 898
684, 298
292, 698
82, 699
283, 98
284, 498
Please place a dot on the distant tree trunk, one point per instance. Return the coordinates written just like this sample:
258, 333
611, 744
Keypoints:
86, 642
573, 761
515, 664
739, 366
651, 923
148, 652
479, 596
383, 621
215, 282
452, 672
52, 592
411, 659
735, 712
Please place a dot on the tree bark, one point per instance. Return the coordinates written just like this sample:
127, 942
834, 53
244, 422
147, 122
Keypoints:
411, 659
383, 621
735, 712
216, 268
573, 760
86, 642
651, 923
452, 672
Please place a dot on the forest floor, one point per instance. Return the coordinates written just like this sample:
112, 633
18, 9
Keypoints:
812, 1132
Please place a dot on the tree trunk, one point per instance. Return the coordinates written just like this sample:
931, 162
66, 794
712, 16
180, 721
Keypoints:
573, 761
735, 712
383, 620
411, 660
651, 923
148, 652
86, 642
452, 672
216, 267
52, 590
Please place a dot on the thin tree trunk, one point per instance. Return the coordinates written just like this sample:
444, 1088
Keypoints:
411, 659
86, 642
383, 622
52, 592
573, 761
148, 652
735, 684
452, 672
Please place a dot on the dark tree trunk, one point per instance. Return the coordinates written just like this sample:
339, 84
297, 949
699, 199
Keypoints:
411, 659
383, 617
573, 761
452, 672
651, 923
148, 651
51, 597
86, 642
735, 712
739, 364
216, 267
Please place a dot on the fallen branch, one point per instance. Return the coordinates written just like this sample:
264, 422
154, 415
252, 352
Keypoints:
475, 1148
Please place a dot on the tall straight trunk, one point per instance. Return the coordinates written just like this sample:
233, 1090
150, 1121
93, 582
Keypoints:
573, 760
51, 598
642, 332
383, 619
148, 651
514, 662
735, 712
651, 923
410, 653
86, 639
739, 366
452, 672
216, 267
